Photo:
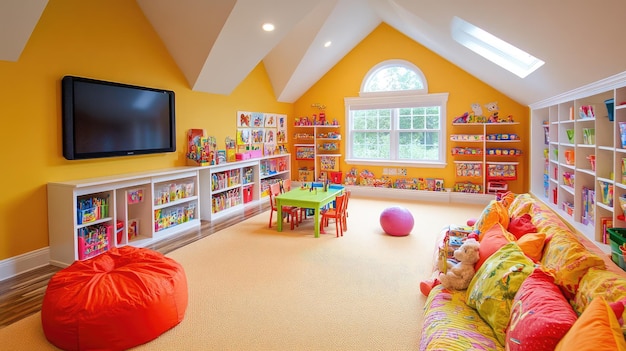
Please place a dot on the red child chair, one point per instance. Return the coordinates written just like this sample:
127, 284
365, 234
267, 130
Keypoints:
336, 213
289, 212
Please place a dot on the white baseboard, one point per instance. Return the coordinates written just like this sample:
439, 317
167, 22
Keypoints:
13, 266
421, 195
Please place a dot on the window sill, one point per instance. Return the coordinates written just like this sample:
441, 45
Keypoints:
396, 163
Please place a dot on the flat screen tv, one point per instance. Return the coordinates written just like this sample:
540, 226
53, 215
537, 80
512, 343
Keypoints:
106, 119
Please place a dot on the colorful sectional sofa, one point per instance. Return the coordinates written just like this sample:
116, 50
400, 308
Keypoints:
546, 290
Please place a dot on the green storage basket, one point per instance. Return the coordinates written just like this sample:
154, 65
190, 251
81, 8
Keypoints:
617, 237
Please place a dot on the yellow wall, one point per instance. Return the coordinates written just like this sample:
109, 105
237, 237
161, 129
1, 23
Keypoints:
103, 39
112, 40
385, 43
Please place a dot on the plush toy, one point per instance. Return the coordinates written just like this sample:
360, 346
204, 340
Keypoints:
459, 275
492, 107
477, 109
461, 119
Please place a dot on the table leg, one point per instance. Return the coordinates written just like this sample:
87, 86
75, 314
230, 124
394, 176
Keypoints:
279, 216
317, 222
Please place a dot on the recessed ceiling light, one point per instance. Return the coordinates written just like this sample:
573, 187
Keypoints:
493, 48
268, 27
327, 44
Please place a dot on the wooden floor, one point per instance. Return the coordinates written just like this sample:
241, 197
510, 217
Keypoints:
22, 295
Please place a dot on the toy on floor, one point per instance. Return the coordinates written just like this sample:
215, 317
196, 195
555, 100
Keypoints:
397, 221
459, 275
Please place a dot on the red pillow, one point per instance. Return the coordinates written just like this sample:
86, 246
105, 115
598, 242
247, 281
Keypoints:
521, 225
490, 241
540, 315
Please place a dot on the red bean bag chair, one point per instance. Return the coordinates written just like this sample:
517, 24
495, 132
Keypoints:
120, 299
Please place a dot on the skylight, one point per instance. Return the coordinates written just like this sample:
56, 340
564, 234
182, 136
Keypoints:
493, 48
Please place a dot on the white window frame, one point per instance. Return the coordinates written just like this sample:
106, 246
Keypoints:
393, 100
408, 100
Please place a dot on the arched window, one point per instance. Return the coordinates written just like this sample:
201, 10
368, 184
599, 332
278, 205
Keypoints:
394, 121
394, 76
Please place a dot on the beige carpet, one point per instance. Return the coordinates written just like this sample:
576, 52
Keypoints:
252, 288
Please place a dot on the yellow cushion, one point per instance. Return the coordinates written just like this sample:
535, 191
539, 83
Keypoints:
568, 259
507, 199
599, 282
494, 212
495, 284
597, 329
532, 245
521, 205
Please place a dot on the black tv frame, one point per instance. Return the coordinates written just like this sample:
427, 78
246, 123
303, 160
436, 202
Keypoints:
70, 135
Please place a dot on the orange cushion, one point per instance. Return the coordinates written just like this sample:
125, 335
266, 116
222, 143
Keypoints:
532, 245
597, 329
114, 301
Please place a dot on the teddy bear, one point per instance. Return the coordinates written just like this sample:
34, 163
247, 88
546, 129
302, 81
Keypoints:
459, 275
492, 107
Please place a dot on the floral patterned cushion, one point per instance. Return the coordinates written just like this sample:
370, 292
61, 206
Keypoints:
599, 282
451, 325
494, 212
568, 259
563, 253
495, 284
520, 205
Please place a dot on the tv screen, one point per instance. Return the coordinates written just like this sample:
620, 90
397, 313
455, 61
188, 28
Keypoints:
105, 119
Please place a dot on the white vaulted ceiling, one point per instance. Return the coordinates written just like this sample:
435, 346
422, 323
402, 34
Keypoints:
217, 43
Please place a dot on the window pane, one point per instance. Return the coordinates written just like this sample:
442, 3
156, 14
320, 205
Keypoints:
371, 145
418, 146
394, 78
432, 122
372, 119
419, 118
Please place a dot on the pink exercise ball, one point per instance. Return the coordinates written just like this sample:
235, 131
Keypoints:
396, 221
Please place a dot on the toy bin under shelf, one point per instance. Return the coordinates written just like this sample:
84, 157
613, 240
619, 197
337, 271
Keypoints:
247, 194
336, 177
617, 238
502, 171
93, 240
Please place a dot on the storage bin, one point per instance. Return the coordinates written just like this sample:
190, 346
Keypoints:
92, 214
93, 241
240, 156
617, 237
255, 153
618, 258
336, 177
592, 162
247, 194
570, 157
570, 135
606, 193
609, 107
589, 136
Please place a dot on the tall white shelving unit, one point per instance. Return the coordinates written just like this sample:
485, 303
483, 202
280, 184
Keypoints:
561, 171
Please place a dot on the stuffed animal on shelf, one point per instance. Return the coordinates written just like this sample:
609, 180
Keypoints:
459, 275
492, 107
477, 109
